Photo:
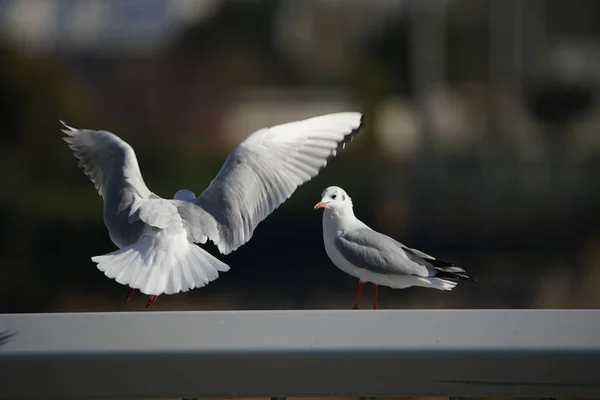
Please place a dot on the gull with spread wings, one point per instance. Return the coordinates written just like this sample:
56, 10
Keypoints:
157, 237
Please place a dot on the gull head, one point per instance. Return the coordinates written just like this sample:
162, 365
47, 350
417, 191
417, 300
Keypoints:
334, 198
184, 194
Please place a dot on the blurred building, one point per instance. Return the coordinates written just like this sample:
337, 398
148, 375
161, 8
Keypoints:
99, 25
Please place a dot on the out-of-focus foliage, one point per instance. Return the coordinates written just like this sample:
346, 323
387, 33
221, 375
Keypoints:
504, 187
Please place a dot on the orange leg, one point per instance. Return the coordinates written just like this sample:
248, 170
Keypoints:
361, 286
129, 294
375, 287
151, 300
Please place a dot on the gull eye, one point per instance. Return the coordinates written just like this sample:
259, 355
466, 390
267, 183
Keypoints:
333, 196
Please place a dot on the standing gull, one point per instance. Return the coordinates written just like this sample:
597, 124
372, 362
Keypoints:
156, 237
374, 257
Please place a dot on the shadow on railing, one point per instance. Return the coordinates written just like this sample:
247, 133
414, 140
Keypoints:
5, 337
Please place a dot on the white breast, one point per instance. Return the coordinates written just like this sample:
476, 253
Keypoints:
332, 229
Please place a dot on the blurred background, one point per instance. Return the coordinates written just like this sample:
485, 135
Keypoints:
481, 146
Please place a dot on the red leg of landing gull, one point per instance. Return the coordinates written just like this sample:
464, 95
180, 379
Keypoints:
375, 287
129, 294
151, 300
361, 286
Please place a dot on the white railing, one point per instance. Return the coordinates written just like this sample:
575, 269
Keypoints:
457, 353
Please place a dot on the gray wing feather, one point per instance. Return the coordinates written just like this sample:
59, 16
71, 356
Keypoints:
418, 253
376, 252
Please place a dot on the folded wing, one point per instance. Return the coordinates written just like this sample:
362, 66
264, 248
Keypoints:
378, 253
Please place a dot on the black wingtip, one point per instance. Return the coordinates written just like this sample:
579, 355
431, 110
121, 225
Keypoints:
361, 124
448, 270
342, 145
454, 275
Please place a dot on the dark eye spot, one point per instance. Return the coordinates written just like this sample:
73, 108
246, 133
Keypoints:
343, 197
334, 196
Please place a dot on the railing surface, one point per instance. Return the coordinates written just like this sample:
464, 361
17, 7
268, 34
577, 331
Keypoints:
458, 353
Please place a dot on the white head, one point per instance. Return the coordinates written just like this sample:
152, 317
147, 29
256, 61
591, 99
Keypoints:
184, 194
334, 198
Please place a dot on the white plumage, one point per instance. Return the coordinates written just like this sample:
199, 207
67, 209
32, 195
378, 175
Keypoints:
374, 257
156, 237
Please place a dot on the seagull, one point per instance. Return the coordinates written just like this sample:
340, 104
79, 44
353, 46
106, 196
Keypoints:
374, 257
157, 237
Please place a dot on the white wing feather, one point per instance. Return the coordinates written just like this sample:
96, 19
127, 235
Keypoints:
111, 165
155, 254
155, 235
261, 173
107, 160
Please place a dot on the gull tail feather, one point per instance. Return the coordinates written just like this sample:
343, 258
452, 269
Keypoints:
436, 283
154, 269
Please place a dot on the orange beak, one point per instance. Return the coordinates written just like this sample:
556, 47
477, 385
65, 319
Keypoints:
320, 204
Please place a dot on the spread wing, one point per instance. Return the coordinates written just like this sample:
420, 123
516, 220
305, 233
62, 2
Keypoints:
111, 165
261, 173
